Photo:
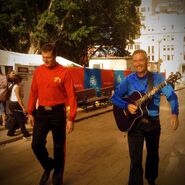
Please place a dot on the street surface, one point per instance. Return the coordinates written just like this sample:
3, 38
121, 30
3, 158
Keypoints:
97, 154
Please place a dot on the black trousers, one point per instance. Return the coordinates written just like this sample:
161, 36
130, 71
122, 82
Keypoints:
150, 133
45, 121
19, 120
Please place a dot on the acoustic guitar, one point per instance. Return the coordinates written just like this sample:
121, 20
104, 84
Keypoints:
124, 119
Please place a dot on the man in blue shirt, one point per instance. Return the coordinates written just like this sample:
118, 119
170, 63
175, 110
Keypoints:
147, 128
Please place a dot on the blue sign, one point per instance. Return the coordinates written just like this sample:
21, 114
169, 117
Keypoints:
118, 77
93, 79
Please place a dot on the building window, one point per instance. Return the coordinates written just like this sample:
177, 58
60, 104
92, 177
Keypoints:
183, 68
172, 27
152, 49
152, 58
168, 47
168, 37
164, 48
137, 47
168, 57
172, 57
148, 49
143, 9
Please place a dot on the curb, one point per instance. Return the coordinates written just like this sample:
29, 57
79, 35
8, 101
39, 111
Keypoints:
15, 138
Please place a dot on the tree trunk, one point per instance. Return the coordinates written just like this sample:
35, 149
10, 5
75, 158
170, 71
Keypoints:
33, 49
34, 45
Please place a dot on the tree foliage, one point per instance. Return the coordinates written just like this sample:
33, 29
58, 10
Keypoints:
74, 25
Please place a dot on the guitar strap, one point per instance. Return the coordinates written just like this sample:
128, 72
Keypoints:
150, 81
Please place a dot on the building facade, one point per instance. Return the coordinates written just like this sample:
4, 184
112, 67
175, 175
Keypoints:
163, 34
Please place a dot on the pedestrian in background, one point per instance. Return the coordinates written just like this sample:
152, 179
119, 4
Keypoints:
3, 96
17, 109
10, 79
148, 128
51, 87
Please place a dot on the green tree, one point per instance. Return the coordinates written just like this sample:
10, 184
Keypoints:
74, 25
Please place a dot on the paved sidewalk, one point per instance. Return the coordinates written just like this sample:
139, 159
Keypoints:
97, 153
81, 115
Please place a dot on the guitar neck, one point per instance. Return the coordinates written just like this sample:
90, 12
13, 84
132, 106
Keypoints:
150, 93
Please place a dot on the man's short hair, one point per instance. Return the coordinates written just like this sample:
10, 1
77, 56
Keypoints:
140, 51
49, 47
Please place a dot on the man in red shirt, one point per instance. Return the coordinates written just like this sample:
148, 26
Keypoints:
51, 89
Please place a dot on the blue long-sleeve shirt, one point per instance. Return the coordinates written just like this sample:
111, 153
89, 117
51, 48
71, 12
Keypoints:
133, 83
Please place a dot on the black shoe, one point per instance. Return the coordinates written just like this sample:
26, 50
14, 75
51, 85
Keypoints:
151, 183
45, 177
10, 135
57, 178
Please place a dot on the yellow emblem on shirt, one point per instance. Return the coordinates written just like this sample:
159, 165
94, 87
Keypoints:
57, 79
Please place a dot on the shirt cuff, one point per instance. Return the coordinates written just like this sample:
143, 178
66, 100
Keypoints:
71, 118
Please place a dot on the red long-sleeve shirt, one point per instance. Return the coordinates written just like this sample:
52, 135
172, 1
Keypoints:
52, 86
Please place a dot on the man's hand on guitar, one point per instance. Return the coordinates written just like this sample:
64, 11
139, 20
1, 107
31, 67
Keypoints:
174, 121
132, 108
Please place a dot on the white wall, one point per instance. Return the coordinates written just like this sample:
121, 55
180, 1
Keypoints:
110, 63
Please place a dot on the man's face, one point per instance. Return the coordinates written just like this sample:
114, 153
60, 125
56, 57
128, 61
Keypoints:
140, 63
48, 58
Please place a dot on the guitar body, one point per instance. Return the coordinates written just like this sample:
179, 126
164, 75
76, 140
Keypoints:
124, 119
